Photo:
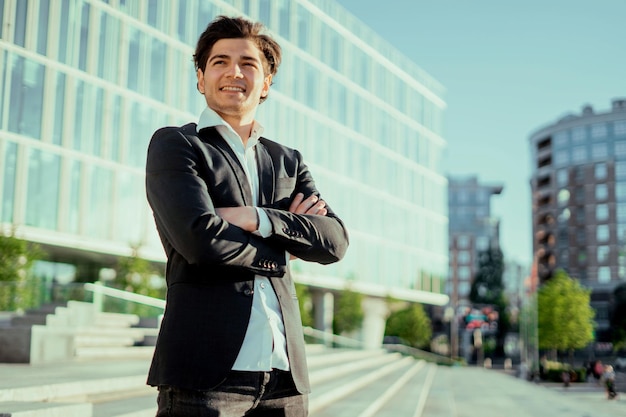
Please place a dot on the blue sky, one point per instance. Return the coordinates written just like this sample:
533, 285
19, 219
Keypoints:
509, 68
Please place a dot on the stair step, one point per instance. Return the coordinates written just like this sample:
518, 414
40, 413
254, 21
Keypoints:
112, 352
139, 406
45, 409
333, 391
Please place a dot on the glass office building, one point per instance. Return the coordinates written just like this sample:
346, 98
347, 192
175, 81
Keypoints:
84, 84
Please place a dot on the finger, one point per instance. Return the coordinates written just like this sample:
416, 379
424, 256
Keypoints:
296, 202
316, 208
304, 205
307, 205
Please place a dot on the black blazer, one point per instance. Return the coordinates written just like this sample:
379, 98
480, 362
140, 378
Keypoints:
211, 264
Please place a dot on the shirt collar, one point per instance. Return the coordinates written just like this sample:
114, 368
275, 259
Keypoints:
210, 118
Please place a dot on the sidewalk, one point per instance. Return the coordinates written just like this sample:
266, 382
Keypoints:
480, 392
438, 391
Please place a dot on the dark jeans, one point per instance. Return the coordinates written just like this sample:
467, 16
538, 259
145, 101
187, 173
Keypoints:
254, 394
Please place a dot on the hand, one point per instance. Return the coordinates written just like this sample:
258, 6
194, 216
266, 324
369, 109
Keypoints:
311, 205
244, 217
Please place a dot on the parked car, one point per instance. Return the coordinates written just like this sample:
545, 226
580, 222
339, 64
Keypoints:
620, 363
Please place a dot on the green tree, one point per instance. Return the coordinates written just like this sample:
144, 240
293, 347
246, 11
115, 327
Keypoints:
305, 304
618, 316
411, 324
139, 276
565, 317
18, 288
487, 287
348, 312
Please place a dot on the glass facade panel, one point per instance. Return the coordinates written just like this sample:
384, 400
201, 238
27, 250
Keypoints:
84, 37
63, 30
602, 233
134, 55
72, 214
158, 58
59, 104
9, 168
43, 189
26, 97
42, 29
19, 34
98, 215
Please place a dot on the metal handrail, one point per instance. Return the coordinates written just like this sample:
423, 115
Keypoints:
330, 338
99, 290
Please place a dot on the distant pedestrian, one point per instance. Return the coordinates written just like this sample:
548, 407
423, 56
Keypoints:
565, 376
609, 382
598, 370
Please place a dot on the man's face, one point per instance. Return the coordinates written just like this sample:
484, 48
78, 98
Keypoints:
233, 81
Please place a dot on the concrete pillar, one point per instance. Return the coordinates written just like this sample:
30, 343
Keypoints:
324, 307
375, 312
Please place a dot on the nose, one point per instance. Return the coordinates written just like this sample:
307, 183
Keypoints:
235, 71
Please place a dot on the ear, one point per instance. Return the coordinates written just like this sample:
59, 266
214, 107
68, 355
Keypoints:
200, 84
266, 85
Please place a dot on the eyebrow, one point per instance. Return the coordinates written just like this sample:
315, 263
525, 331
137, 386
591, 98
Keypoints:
226, 56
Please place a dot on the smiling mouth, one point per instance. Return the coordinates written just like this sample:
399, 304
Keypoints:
233, 89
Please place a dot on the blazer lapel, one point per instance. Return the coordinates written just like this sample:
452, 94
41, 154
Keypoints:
212, 137
265, 166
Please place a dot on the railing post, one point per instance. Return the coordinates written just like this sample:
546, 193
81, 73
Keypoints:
98, 298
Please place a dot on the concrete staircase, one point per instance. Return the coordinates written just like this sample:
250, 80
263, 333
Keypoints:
72, 331
346, 383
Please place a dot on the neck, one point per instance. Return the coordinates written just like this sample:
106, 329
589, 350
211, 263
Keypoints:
243, 126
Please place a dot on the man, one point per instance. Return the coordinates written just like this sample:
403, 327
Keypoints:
231, 208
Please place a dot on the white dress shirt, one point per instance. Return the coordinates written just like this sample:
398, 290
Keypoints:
264, 347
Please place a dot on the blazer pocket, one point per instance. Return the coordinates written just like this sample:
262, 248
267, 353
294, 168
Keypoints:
286, 183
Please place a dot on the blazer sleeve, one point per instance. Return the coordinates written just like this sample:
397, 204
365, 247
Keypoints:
185, 215
315, 238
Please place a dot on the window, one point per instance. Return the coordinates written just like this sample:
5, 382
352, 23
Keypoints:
562, 177
581, 236
602, 192
619, 128
26, 97
620, 191
579, 154
463, 257
482, 243
604, 274
600, 171
578, 135
620, 148
602, 212
560, 139
561, 157
580, 215
464, 273
9, 165
599, 151
464, 289
462, 242
621, 212
602, 233
620, 170
43, 189
598, 130
603, 254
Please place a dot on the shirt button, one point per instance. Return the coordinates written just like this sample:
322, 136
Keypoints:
263, 285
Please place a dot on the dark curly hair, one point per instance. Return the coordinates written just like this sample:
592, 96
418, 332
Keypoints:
224, 27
